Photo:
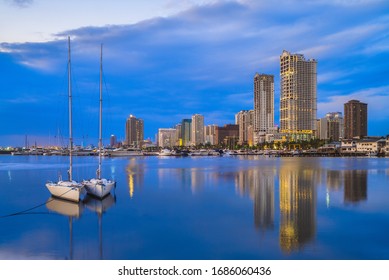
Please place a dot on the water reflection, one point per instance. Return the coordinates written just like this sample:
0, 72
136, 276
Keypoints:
99, 206
295, 183
135, 175
259, 184
355, 186
334, 180
297, 205
69, 209
264, 200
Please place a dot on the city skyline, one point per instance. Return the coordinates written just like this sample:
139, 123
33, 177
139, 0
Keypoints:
170, 63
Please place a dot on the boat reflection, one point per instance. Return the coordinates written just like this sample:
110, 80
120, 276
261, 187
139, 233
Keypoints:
66, 208
99, 206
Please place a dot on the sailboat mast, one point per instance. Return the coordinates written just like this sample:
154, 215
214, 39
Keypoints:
70, 114
101, 112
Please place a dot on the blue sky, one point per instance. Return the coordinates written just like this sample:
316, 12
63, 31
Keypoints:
167, 60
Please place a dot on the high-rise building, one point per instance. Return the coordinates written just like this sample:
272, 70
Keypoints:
263, 102
197, 129
178, 128
167, 137
355, 119
112, 141
134, 131
330, 127
245, 120
210, 134
227, 135
186, 132
298, 96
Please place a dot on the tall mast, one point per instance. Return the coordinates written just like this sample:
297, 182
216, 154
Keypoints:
70, 113
101, 113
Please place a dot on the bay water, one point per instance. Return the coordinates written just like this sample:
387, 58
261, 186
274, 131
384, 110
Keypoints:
198, 208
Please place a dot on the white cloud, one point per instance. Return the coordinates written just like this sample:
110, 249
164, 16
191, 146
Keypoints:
376, 98
200, 58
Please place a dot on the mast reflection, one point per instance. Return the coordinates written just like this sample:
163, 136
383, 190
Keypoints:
69, 209
99, 206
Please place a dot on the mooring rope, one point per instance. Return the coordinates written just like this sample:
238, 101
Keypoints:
32, 208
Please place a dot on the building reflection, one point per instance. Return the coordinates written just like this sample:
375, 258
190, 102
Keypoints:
194, 179
259, 185
135, 175
355, 186
264, 200
197, 179
334, 180
297, 205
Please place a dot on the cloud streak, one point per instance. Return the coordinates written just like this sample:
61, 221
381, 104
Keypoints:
21, 3
203, 59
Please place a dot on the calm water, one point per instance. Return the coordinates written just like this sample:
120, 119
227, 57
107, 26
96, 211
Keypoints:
199, 208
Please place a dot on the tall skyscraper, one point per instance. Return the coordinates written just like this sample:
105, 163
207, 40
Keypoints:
263, 102
197, 129
355, 119
298, 96
134, 131
186, 131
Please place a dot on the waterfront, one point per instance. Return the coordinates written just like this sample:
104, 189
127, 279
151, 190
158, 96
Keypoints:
241, 207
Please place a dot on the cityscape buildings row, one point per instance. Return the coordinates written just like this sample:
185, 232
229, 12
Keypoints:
298, 110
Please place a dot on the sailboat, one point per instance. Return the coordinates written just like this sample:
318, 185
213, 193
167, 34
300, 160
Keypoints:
98, 186
70, 189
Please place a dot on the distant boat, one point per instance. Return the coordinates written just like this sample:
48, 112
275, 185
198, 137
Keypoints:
201, 152
124, 152
98, 186
70, 189
165, 152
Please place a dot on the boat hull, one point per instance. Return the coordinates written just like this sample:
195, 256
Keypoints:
124, 153
69, 190
99, 187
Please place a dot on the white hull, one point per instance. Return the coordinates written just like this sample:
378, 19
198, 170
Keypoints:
99, 187
124, 153
72, 191
165, 152
63, 207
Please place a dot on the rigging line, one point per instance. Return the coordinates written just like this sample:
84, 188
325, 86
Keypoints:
32, 208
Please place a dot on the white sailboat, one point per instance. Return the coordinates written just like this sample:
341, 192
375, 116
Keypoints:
70, 189
99, 187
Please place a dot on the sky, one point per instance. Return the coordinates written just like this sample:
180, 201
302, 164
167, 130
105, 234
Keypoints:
166, 60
